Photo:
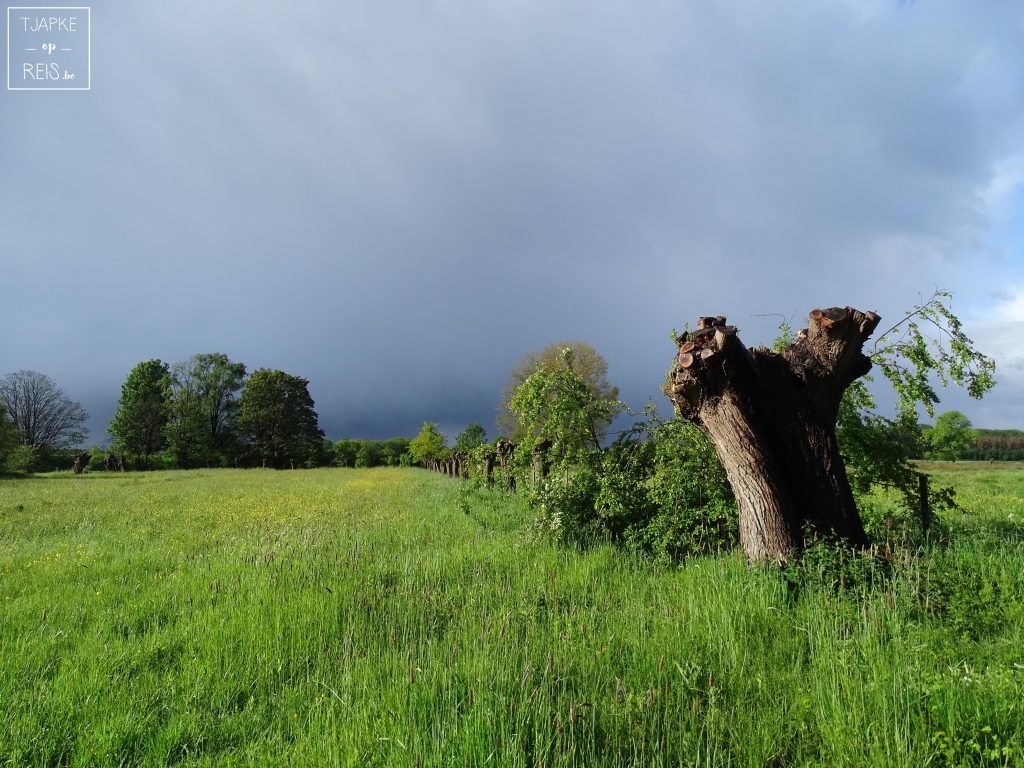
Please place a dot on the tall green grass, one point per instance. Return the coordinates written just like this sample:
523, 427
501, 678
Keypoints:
347, 617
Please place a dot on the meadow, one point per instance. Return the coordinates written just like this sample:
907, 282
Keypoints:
378, 617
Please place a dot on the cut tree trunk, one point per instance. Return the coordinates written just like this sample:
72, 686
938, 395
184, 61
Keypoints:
542, 460
81, 462
489, 468
772, 418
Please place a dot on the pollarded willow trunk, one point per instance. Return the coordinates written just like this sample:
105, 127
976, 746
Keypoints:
772, 418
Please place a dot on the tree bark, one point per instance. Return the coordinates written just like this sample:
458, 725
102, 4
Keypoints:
542, 460
772, 418
489, 468
81, 462
505, 450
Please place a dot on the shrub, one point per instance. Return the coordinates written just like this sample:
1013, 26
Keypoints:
566, 508
23, 459
659, 489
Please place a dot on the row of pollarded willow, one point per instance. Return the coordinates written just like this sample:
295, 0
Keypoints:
771, 415
454, 464
489, 461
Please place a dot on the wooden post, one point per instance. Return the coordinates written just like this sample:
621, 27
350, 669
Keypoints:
925, 509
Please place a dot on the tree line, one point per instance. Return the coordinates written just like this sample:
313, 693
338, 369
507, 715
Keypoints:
206, 411
996, 445
954, 438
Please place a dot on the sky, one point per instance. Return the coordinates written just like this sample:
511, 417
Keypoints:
397, 200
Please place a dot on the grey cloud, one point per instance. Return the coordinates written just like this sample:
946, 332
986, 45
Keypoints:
398, 201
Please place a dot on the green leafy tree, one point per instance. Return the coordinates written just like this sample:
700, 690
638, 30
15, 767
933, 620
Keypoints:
559, 456
142, 411
185, 434
368, 455
204, 408
951, 437
393, 449
557, 405
345, 452
428, 444
9, 438
584, 361
325, 454
277, 420
219, 382
472, 436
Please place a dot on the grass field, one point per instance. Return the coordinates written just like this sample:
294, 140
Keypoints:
362, 617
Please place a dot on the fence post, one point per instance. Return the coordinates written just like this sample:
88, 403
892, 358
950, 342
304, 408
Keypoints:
925, 509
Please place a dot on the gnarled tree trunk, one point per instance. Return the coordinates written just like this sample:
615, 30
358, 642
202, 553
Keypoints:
489, 468
506, 450
81, 462
772, 418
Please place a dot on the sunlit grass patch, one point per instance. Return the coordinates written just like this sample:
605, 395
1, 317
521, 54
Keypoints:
347, 617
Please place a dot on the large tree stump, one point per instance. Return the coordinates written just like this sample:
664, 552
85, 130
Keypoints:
772, 418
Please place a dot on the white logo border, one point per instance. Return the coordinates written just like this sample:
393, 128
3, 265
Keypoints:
88, 72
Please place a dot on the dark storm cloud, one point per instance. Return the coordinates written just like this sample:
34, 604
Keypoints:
397, 201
